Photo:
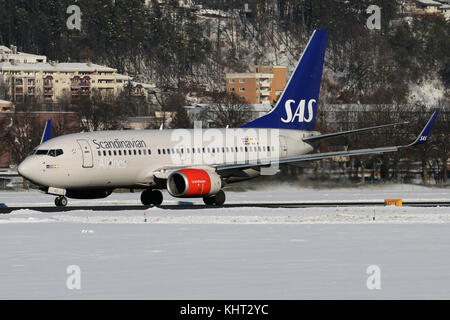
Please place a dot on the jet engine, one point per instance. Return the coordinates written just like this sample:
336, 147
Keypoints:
187, 183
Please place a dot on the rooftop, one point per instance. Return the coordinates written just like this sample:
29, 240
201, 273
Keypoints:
65, 66
430, 3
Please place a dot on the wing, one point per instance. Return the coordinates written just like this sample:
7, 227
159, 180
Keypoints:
164, 172
336, 134
421, 139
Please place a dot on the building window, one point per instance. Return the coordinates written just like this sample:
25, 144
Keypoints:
231, 81
231, 89
241, 80
241, 89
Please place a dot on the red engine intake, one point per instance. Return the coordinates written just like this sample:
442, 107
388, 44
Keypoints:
188, 183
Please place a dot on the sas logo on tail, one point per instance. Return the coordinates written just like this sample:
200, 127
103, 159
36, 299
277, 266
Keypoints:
299, 112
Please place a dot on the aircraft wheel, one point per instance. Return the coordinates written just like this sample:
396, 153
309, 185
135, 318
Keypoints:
157, 197
209, 201
61, 201
219, 198
151, 197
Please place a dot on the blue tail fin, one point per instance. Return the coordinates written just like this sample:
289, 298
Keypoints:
297, 106
47, 134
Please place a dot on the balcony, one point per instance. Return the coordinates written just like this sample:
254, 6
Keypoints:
264, 84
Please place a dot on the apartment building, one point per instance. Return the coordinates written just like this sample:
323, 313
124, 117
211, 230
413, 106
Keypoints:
48, 82
264, 86
12, 55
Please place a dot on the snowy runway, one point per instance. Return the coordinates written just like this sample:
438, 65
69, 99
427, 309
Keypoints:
237, 253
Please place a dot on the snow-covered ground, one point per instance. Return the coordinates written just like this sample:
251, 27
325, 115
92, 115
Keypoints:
235, 253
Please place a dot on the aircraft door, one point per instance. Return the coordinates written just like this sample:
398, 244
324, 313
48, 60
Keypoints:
88, 159
283, 147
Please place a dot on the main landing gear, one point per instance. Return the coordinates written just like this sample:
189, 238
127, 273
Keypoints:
61, 201
151, 197
218, 199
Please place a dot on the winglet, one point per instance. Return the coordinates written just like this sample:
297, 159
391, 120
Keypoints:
47, 134
423, 136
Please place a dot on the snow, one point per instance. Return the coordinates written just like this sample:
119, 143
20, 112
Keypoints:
230, 253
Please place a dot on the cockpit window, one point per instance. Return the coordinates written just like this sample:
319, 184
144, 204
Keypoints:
55, 152
41, 152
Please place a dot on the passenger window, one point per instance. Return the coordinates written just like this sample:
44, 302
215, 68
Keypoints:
115, 153
246, 150
145, 152
41, 152
149, 152
104, 153
159, 151
134, 151
120, 152
139, 151
164, 151
168, 151
99, 153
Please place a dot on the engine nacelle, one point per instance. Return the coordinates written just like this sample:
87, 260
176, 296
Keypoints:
190, 183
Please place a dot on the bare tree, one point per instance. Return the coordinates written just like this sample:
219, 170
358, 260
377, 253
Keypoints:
227, 110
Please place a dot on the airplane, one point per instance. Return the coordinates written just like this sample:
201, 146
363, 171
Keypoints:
194, 163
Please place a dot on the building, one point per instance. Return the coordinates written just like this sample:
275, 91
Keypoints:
428, 6
445, 10
264, 86
48, 82
13, 56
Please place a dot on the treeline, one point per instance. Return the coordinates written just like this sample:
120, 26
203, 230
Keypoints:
179, 49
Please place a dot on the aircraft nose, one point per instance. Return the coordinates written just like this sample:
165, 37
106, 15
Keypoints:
25, 168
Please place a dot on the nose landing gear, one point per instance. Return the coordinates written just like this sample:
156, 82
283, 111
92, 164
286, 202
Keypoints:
61, 201
151, 197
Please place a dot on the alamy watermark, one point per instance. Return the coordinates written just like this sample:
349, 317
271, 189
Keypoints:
374, 280
73, 281
374, 20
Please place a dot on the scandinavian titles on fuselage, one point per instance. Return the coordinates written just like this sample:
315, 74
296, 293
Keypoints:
119, 144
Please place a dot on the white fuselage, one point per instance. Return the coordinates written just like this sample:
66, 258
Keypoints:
129, 159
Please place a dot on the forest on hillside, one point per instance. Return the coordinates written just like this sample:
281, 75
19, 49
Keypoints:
181, 50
